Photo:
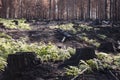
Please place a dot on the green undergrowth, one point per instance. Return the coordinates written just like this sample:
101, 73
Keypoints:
79, 33
103, 61
8, 23
84, 28
65, 27
50, 52
44, 51
91, 41
2, 63
70, 27
3, 35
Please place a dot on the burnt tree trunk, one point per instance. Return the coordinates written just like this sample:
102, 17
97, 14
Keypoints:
88, 11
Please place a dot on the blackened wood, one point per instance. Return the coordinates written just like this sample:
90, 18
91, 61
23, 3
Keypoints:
96, 22
26, 66
16, 22
63, 35
81, 54
21, 61
1, 24
107, 47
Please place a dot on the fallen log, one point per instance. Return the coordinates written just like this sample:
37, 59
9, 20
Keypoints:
64, 34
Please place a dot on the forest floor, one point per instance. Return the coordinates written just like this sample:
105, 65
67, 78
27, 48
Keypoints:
42, 31
83, 37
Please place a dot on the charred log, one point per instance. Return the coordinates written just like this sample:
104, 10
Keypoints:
63, 35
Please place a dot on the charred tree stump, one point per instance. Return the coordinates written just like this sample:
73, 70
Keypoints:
2, 27
108, 47
16, 22
76, 26
96, 22
26, 66
21, 60
81, 54
1, 24
18, 64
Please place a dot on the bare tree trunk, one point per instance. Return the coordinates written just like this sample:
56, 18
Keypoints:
106, 17
88, 9
50, 3
67, 10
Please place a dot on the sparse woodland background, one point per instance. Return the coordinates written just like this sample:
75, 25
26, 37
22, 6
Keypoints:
61, 9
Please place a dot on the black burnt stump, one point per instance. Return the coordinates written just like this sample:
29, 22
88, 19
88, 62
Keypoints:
109, 47
26, 66
81, 54
22, 60
16, 22
2, 26
18, 64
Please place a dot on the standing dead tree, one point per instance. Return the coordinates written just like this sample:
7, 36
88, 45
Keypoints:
61, 9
